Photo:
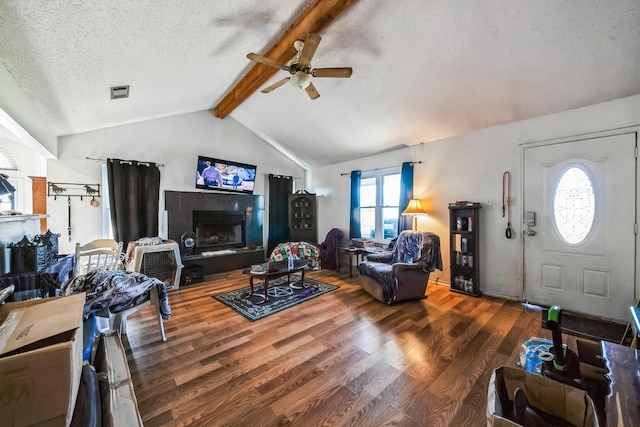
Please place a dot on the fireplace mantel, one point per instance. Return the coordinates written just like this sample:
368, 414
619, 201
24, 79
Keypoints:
22, 217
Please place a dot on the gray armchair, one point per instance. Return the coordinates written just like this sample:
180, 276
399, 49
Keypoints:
402, 274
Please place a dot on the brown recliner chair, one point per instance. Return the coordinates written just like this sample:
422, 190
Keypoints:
402, 274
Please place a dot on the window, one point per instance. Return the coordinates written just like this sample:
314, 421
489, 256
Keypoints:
7, 163
379, 204
6, 202
574, 205
107, 230
12, 201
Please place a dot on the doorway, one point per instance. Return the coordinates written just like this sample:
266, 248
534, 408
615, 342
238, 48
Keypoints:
580, 225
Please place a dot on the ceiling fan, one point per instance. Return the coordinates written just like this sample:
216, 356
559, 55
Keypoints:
300, 67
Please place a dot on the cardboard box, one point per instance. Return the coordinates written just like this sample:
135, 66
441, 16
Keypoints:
560, 400
119, 403
40, 360
362, 243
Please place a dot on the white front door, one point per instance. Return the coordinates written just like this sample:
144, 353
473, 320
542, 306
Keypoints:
580, 254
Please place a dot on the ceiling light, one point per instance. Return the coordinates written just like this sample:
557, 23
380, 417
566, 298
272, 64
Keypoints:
300, 80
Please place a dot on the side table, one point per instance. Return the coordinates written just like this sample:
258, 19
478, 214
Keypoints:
358, 252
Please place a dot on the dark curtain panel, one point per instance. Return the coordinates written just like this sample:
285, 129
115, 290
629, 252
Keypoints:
134, 194
354, 220
279, 190
406, 194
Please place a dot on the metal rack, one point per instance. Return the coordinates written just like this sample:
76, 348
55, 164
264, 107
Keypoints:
69, 190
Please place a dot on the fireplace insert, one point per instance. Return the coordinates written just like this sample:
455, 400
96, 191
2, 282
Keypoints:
219, 229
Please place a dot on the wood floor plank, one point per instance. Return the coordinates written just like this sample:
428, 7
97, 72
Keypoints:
340, 359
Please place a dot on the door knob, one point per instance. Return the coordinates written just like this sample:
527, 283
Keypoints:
531, 233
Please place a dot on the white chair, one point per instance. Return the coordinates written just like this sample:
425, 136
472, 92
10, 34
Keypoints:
118, 321
161, 261
101, 253
105, 254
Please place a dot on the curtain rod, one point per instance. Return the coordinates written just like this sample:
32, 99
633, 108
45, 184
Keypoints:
376, 169
160, 165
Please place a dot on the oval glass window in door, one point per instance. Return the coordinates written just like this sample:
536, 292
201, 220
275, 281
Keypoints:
574, 205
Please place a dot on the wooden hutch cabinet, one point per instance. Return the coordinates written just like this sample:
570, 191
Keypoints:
303, 221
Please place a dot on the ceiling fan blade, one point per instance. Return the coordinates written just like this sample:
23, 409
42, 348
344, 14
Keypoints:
311, 43
332, 72
312, 92
264, 60
276, 85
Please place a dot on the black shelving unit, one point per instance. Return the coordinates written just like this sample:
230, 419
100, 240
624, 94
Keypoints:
303, 224
464, 231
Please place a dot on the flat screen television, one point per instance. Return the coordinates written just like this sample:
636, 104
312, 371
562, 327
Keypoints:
225, 175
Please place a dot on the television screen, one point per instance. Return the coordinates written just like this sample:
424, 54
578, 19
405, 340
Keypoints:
224, 175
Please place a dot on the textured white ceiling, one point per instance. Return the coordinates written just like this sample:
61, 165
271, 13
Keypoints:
422, 70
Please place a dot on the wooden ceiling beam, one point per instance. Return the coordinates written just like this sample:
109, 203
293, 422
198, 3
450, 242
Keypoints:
315, 18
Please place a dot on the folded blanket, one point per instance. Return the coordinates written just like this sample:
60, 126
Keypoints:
383, 274
116, 290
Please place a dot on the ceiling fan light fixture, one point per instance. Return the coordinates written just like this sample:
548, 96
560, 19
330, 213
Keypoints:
300, 80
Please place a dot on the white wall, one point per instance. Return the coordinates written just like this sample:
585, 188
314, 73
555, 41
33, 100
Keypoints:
37, 132
470, 167
29, 163
467, 167
174, 141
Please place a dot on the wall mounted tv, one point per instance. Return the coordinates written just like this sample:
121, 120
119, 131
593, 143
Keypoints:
225, 175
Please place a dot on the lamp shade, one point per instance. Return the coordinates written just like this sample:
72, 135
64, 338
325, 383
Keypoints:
414, 207
5, 186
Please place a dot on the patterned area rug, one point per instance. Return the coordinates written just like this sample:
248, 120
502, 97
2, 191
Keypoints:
281, 297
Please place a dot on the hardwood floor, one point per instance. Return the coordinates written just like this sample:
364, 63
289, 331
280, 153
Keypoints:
340, 359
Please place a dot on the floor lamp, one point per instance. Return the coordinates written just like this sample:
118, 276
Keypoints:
414, 209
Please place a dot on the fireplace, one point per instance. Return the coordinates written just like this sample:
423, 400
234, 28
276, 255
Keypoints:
186, 210
219, 230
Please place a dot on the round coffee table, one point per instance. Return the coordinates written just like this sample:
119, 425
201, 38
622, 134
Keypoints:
275, 270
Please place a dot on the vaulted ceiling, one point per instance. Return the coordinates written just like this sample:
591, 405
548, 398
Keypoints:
422, 70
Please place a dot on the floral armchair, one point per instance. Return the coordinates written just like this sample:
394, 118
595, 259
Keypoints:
298, 250
402, 274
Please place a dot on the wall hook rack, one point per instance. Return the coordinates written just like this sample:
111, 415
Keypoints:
69, 189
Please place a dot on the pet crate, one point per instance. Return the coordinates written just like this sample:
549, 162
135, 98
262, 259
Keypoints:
160, 261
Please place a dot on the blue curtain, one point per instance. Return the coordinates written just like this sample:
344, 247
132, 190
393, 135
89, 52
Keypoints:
354, 221
406, 194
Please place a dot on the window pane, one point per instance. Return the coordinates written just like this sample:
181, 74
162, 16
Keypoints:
391, 190
389, 222
5, 203
368, 192
367, 223
574, 205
